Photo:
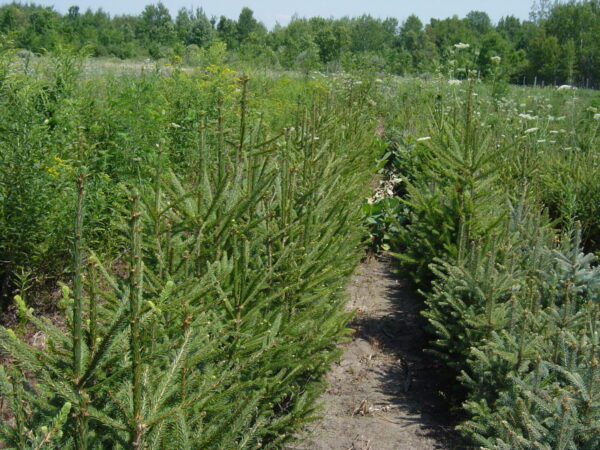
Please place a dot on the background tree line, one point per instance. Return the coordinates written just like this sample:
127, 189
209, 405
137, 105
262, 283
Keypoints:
560, 43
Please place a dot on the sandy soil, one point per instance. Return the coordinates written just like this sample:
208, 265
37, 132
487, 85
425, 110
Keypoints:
383, 394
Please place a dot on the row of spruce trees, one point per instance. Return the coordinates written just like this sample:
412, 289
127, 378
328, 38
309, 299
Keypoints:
512, 300
211, 320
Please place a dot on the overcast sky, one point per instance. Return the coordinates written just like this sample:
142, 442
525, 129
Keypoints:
272, 11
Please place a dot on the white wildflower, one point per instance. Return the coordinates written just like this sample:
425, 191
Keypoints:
454, 82
531, 130
423, 139
541, 141
565, 87
496, 59
597, 116
527, 116
461, 45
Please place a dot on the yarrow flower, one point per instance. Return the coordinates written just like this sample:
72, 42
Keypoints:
496, 59
597, 116
531, 130
423, 139
565, 87
454, 82
461, 45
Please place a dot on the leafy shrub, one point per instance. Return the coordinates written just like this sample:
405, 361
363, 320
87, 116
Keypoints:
384, 218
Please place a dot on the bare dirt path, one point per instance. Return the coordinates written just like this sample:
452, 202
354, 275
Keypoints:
382, 395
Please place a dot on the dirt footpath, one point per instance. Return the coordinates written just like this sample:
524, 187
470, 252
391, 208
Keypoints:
382, 395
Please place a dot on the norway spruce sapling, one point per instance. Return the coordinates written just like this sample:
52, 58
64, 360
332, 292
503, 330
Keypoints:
62, 369
455, 199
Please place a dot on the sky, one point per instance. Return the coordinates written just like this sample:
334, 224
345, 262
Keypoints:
271, 12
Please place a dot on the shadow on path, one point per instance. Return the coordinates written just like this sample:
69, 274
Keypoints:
413, 380
383, 394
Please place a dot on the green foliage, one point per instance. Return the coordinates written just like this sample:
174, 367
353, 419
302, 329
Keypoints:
34, 170
452, 199
556, 46
214, 318
384, 218
500, 207
542, 365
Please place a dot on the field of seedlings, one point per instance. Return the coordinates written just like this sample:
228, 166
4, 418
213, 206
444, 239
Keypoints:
175, 245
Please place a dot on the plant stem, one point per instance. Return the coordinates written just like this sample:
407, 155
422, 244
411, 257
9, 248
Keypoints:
135, 299
243, 105
77, 280
81, 418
